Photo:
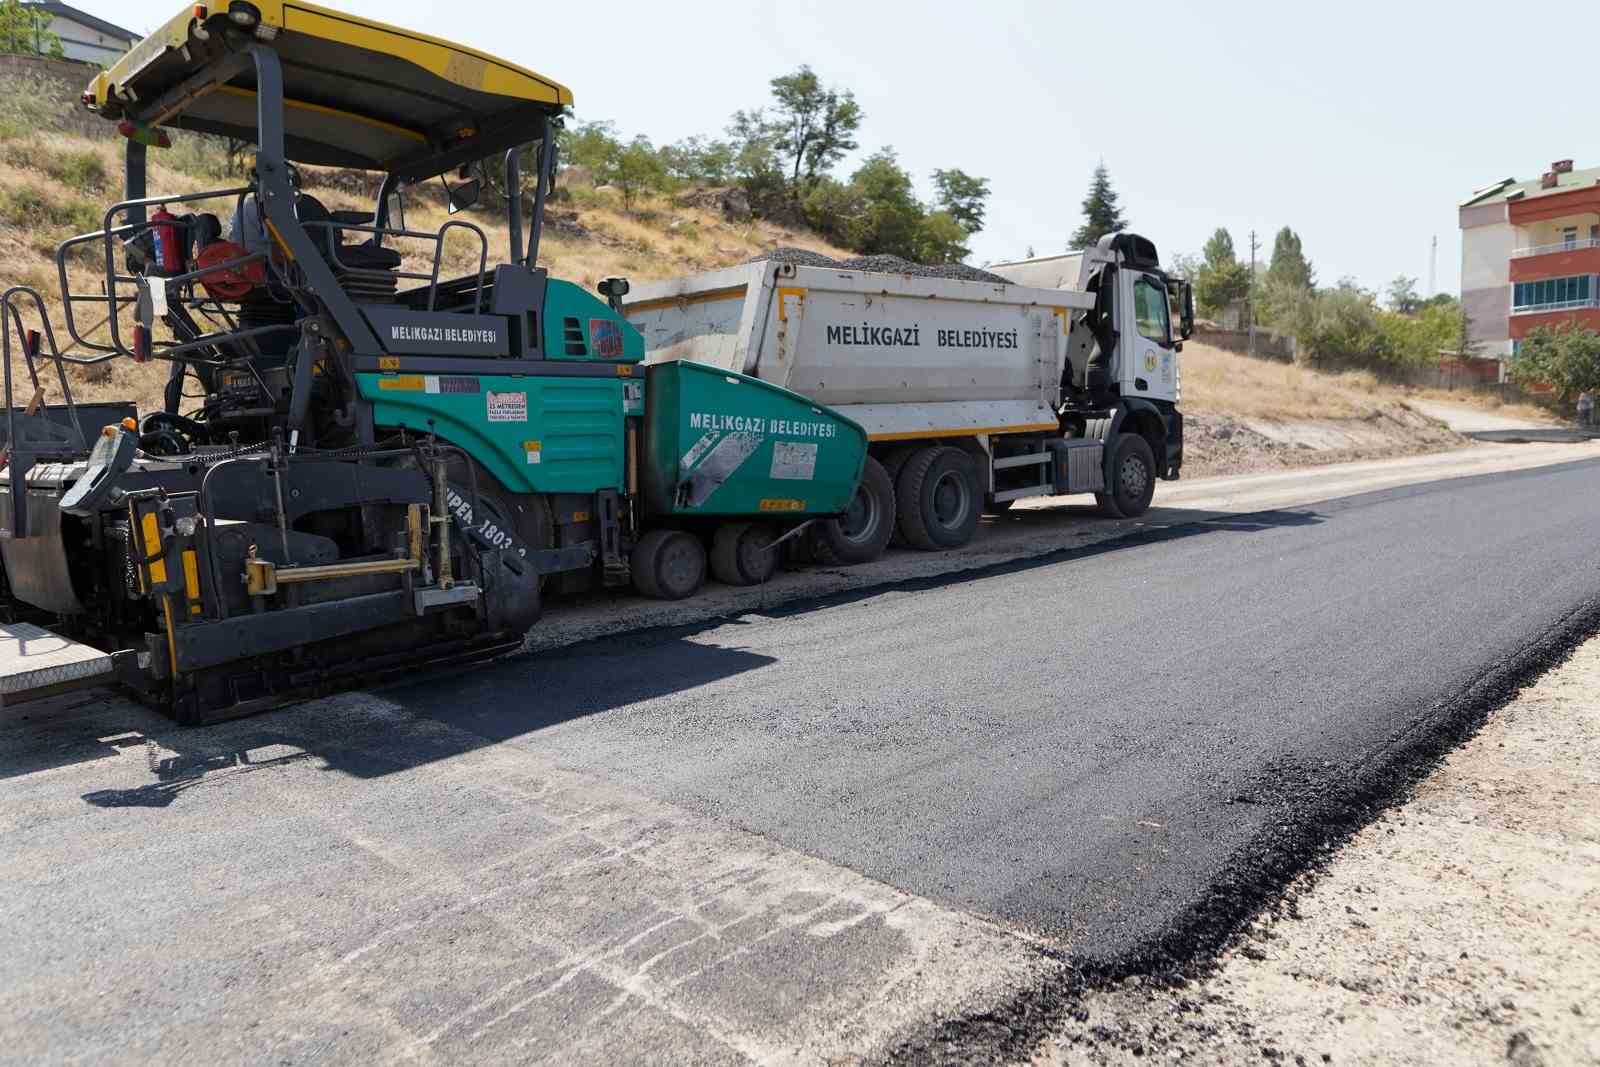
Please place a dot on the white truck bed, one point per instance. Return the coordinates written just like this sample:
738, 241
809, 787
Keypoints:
905, 356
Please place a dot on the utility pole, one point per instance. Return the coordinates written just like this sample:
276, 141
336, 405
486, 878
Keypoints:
1433, 267
1250, 300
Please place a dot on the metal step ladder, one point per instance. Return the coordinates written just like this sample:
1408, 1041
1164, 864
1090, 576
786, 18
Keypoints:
36, 663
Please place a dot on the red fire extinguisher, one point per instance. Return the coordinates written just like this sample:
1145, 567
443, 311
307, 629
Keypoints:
169, 250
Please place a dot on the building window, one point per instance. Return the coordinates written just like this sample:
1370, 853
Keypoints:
1553, 292
1569, 236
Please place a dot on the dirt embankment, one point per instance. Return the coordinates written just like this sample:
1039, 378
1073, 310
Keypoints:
1227, 444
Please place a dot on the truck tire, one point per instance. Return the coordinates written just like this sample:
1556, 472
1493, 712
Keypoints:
894, 461
668, 564
1133, 478
938, 500
742, 553
862, 532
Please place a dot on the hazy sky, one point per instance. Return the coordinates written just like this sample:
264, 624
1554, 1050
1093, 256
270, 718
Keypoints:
1360, 124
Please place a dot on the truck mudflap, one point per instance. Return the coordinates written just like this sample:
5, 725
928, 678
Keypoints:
720, 443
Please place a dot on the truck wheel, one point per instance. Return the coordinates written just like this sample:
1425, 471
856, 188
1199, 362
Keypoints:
742, 553
894, 461
862, 532
668, 564
1133, 478
938, 499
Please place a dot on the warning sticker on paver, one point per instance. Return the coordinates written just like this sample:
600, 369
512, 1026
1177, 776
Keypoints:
794, 460
508, 407
533, 450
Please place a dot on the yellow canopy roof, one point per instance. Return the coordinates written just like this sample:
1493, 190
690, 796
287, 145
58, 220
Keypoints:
357, 93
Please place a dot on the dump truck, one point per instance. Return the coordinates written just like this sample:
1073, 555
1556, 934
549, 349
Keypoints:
1045, 378
362, 463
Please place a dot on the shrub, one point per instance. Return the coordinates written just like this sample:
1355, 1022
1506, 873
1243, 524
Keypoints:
198, 155
32, 207
78, 168
1566, 358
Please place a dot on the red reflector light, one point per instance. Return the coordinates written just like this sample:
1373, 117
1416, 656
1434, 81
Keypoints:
200, 12
141, 343
145, 135
31, 343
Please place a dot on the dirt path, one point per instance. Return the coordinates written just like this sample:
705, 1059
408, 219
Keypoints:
1464, 419
1462, 928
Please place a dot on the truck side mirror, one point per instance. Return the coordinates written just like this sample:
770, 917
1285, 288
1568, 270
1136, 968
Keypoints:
1186, 321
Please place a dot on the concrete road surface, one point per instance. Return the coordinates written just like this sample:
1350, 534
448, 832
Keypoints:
801, 834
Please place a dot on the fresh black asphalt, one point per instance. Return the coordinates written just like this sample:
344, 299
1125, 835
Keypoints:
1079, 745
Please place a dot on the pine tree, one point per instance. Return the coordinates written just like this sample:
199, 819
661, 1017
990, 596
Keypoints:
1100, 213
1289, 264
1221, 280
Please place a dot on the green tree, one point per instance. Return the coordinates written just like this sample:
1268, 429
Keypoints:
1220, 280
1403, 296
816, 126
699, 161
832, 208
1340, 327
1100, 212
588, 144
940, 238
1565, 357
756, 163
890, 214
1289, 266
632, 168
963, 197
25, 30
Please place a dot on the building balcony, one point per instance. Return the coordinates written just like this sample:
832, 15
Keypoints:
1559, 246
1555, 260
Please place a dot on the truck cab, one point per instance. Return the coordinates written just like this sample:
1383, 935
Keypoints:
1120, 378
1127, 344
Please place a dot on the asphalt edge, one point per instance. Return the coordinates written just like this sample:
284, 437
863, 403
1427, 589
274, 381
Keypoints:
1308, 831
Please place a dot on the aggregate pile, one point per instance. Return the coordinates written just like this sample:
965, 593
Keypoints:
883, 264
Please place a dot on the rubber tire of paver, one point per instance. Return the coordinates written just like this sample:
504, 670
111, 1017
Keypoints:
513, 591
935, 481
742, 553
862, 533
1120, 501
668, 564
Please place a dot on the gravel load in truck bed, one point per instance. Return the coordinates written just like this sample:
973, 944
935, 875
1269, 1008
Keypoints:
804, 257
